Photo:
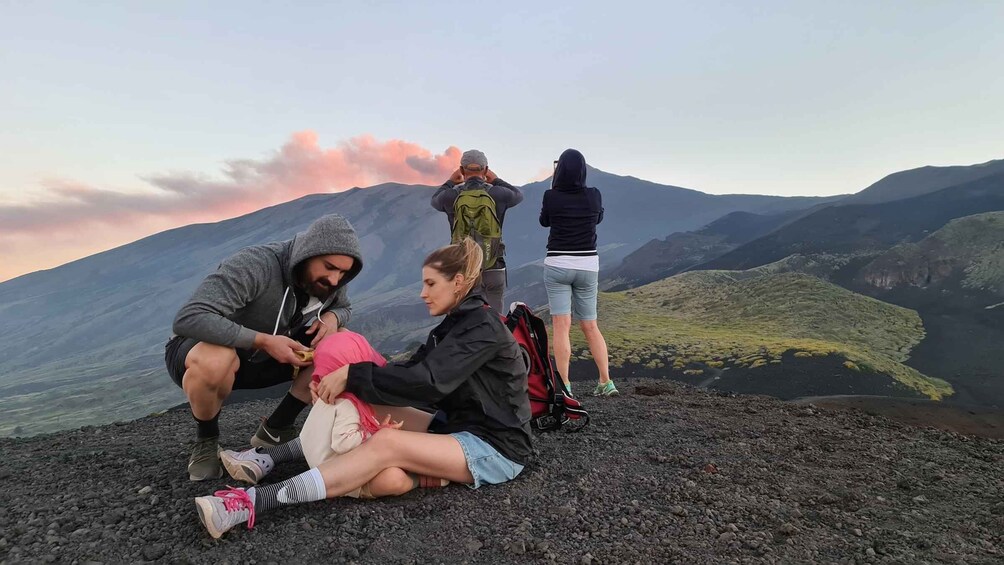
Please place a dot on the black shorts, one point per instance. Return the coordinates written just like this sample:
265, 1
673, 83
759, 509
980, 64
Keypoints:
249, 375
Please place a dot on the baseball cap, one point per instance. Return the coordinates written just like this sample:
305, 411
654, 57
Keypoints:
474, 160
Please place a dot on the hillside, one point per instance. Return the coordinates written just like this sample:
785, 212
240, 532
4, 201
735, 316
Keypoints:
83, 343
955, 279
664, 474
970, 249
863, 228
661, 258
716, 325
923, 180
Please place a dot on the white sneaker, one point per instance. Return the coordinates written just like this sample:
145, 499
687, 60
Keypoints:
224, 510
247, 466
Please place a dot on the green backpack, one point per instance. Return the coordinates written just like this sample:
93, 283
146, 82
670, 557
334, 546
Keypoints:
474, 215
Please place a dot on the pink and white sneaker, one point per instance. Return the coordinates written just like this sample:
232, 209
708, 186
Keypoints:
247, 466
224, 510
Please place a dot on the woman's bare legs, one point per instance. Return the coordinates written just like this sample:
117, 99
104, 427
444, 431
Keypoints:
416, 452
561, 326
597, 347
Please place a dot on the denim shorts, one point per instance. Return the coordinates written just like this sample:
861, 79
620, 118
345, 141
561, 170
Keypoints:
571, 291
486, 464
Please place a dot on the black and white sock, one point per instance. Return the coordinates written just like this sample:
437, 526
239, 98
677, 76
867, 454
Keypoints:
308, 486
292, 450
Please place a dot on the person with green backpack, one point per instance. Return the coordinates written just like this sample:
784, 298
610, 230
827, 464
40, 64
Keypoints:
475, 201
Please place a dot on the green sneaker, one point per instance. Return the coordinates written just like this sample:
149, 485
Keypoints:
606, 389
204, 463
267, 436
568, 389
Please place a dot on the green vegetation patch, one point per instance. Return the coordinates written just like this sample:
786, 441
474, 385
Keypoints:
750, 319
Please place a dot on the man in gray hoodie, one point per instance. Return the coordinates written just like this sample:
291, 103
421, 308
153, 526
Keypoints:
243, 327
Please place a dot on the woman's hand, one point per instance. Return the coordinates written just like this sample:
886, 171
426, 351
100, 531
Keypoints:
325, 324
332, 385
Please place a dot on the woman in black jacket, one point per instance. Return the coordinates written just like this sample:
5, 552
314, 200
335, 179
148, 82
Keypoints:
471, 368
571, 269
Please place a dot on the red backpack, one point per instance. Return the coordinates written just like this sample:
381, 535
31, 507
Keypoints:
551, 408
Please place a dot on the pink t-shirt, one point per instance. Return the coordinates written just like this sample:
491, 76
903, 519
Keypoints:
343, 348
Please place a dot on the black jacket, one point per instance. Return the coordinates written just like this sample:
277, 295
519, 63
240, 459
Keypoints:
571, 209
472, 369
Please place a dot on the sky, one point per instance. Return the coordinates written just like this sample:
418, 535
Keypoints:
121, 119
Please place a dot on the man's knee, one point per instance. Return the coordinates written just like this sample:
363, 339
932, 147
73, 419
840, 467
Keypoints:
211, 365
589, 327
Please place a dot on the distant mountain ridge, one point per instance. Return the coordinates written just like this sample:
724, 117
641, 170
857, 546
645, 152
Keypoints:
681, 251
923, 180
857, 228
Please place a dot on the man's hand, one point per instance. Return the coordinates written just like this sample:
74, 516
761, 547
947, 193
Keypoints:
333, 384
327, 323
490, 176
457, 177
281, 348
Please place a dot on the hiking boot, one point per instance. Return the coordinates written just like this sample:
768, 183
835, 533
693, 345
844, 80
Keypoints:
224, 510
247, 466
267, 436
606, 389
204, 463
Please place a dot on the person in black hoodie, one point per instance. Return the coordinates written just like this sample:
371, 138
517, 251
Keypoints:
470, 368
571, 269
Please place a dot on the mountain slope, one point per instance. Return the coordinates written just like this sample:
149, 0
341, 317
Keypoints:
91, 333
699, 322
861, 228
955, 279
661, 258
923, 180
970, 249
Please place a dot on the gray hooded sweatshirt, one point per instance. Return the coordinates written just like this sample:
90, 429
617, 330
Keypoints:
254, 290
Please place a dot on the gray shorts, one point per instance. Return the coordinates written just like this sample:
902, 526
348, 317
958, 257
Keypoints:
264, 373
571, 291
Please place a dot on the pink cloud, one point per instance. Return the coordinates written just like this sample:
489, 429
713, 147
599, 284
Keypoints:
300, 167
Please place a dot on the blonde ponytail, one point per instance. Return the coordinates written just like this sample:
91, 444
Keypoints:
463, 258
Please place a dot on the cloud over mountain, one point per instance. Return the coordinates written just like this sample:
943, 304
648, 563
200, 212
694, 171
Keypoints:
301, 166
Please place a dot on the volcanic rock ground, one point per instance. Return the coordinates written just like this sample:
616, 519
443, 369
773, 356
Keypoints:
666, 473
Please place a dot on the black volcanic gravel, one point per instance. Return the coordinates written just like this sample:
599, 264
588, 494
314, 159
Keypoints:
665, 474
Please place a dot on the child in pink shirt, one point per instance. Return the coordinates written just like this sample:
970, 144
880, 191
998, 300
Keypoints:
333, 429
330, 429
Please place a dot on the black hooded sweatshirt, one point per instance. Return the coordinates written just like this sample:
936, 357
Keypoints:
571, 209
472, 369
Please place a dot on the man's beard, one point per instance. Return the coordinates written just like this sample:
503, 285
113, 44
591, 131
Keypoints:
320, 289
